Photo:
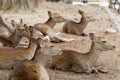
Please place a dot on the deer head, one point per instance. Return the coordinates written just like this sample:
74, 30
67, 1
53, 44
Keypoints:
56, 17
19, 33
19, 25
21, 28
101, 43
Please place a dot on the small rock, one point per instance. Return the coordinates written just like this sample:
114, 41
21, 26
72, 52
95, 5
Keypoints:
110, 31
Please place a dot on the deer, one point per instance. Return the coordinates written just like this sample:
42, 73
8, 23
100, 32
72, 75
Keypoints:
50, 23
77, 28
34, 69
11, 33
11, 56
46, 28
73, 60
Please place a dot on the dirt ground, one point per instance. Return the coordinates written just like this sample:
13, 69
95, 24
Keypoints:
108, 60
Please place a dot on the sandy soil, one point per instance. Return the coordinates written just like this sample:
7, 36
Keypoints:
108, 60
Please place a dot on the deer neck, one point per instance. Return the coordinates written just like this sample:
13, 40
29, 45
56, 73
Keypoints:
39, 56
31, 48
93, 54
83, 23
14, 38
83, 19
50, 22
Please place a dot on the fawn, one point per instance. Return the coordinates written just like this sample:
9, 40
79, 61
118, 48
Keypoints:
50, 23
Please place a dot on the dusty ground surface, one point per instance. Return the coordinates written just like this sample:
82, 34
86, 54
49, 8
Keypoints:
108, 60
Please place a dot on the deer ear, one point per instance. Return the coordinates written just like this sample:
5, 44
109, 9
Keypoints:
13, 23
49, 13
92, 36
21, 21
26, 27
40, 42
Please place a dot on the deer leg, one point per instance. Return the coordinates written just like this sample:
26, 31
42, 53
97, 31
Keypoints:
94, 70
88, 71
102, 71
81, 68
87, 68
75, 68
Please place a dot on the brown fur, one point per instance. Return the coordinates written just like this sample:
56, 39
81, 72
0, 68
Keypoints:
11, 56
29, 70
49, 24
77, 28
12, 35
34, 69
46, 28
81, 62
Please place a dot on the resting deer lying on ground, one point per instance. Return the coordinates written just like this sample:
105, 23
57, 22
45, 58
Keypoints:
50, 23
11, 56
81, 62
77, 28
33, 69
46, 27
10, 35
